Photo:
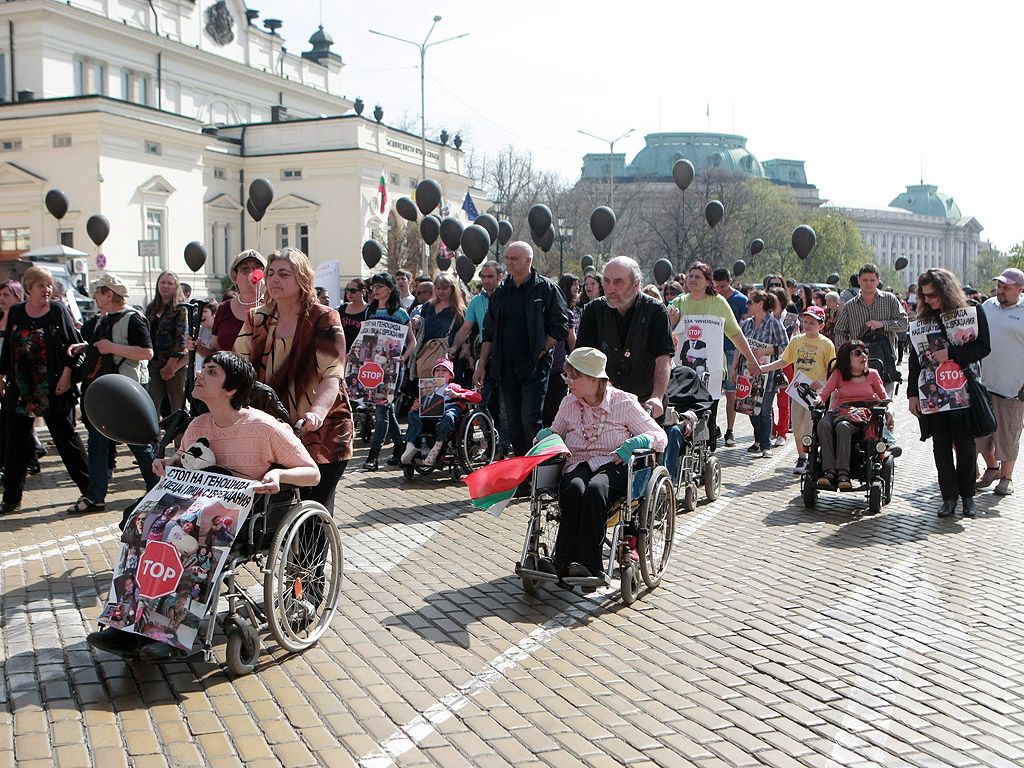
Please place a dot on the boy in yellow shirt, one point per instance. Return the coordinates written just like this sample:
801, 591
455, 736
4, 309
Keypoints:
809, 353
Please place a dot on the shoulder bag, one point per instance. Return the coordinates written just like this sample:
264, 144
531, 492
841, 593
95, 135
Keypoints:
982, 417
431, 351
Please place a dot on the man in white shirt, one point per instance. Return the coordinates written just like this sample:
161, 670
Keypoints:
403, 278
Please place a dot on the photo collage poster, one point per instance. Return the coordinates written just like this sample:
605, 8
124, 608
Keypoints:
942, 385
373, 371
750, 392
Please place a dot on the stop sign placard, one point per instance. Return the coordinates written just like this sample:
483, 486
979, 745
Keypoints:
371, 376
742, 387
159, 570
694, 332
950, 376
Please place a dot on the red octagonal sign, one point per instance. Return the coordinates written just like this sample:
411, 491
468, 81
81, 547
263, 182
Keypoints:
742, 387
371, 376
950, 376
159, 570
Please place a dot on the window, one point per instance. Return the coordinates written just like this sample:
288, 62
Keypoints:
61, 140
304, 238
155, 231
282, 235
291, 173
98, 78
126, 85
67, 237
219, 173
79, 77
10, 145
394, 179
152, 148
143, 90
15, 239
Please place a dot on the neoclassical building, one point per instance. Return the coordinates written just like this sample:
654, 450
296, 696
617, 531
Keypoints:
159, 113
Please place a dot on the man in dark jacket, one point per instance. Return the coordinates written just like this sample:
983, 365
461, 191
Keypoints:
633, 330
526, 317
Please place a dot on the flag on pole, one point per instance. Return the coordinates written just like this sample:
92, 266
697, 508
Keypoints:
469, 208
382, 190
492, 487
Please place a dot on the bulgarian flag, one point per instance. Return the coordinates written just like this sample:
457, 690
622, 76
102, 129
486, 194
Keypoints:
493, 486
382, 190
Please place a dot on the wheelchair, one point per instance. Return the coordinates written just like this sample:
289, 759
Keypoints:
471, 447
642, 528
364, 416
697, 466
872, 462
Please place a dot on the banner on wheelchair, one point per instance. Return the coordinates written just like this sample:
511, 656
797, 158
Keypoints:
172, 552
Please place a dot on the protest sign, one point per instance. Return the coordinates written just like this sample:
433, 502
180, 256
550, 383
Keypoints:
942, 385
374, 366
750, 391
700, 344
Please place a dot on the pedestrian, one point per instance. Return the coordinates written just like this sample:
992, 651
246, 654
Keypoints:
851, 291
403, 280
722, 280
1003, 375
569, 285
593, 287
939, 294
526, 318
354, 310
167, 330
791, 322
762, 326
247, 275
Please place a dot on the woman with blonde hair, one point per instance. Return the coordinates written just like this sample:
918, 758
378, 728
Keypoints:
167, 330
298, 347
440, 318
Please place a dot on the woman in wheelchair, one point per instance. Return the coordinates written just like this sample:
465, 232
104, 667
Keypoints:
853, 380
601, 426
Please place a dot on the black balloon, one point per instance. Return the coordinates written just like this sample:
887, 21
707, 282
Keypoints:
901, 263
261, 192
804, 241
504, 232
430, 228
539, 219
443, 262
739, 267
662, 271
406, 209
475, 243
713, 212
490, 224
428, 195
98, 227
465, 268
255, 212
832, 279
195, 255
57, 203
451, 232
372, 253
682, 173
546, 239
602, 222
122, 410
756, 246
586, 261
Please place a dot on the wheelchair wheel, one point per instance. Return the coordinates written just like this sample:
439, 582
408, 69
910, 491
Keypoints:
303, 578
409, 472
477, 441
687, 502
243, 649
657, 528
888, 472
547, 529
629, 583
712, 478
808, 490
530, 585
875, 498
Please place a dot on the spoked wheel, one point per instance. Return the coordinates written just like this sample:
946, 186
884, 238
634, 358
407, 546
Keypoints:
629, 583
657, 527
712, 478
243, 650
547, 529
303, 580
477, 441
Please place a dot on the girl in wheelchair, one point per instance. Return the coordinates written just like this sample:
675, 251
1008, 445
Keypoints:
455, 401
852, 381
601, 426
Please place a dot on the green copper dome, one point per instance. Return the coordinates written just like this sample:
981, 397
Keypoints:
926, 200
654, 162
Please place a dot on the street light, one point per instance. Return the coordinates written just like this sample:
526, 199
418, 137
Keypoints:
611, 161
565, 233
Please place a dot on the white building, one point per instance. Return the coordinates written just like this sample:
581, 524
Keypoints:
159, 115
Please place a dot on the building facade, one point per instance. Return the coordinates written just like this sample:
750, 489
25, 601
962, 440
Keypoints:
159, 114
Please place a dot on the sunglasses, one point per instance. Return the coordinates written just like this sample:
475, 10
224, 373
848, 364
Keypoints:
775, 285
859, 352
353, 290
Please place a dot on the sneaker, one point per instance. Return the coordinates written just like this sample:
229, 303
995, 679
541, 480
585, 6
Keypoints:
409, 453
801, 465
431, 459
989, 476
766, 453
1004, 487
779, 441
754, 448
730, 441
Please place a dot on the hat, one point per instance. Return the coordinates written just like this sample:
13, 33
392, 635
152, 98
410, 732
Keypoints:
818, 313
248, 255
445, 363
588, 361
1011, 275
111, 282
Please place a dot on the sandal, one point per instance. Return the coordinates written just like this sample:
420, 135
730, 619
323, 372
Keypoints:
85, 506
828, 480
844, 483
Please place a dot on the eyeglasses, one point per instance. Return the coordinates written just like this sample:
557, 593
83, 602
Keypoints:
567, 377
859, 352
353, 290
774, 285
928, 295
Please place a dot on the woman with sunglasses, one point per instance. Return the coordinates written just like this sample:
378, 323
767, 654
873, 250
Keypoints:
852, 381
354, 310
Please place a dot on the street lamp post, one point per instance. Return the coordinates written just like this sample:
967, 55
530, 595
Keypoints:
423, 97
565, 233
611, 162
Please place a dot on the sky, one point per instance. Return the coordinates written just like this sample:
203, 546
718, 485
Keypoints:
872, 96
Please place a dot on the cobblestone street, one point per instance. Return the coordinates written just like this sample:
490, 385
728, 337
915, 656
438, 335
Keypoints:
780, 636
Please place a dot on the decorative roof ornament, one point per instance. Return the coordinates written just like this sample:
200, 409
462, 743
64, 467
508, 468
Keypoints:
219, 23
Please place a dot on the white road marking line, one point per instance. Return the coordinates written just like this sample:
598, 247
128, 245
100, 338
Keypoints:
61, 546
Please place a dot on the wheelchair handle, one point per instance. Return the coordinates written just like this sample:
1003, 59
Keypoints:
297, 429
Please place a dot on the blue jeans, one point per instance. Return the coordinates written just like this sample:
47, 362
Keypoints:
99, 472
522, 403
673, 449
762, 422
443, 430
385, 427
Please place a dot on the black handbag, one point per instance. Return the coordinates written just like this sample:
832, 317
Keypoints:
982, 417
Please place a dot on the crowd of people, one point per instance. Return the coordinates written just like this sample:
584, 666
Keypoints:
514, 342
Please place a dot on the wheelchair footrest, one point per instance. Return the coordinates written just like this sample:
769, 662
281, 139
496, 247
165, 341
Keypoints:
536, 575
587, 581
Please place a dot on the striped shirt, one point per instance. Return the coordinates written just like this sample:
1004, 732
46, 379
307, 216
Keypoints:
854, 315
593, 433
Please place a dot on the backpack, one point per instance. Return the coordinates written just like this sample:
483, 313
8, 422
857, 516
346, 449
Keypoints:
881, 356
